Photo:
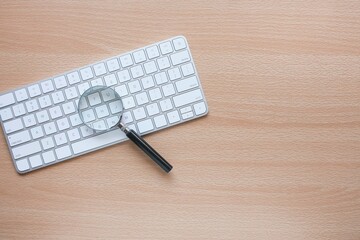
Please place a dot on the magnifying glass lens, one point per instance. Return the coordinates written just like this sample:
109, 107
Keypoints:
100, 108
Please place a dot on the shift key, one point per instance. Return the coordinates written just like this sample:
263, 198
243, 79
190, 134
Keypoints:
26, 149
187, 98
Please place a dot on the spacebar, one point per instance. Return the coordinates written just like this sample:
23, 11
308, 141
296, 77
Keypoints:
98, 141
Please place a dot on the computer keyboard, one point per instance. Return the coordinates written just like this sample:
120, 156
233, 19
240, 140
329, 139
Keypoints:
158, 84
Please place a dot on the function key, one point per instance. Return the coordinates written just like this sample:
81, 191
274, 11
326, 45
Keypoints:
86, 73
152, 52
179, 43
73, 77
139, 56
99, 69
21, 95
166, 47
113, 65
126, 60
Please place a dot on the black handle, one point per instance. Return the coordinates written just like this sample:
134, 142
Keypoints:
143, 145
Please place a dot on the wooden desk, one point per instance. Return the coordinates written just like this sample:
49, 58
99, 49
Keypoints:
278, 156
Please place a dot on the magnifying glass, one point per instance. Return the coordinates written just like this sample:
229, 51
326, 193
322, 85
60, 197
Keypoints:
100, 108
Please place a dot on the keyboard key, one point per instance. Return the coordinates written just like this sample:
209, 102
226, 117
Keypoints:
6, 114
35, 161
99, 69
161, 78
62, 124
37, 132
32, 105
113, 65
126, 60
86, 131
68, 108
47, 86
180, 57
26, 149
13, 126
97, 82
88, 115
83, 87
137, 71
166, 105
142, 98
121, 90
110, 80
57, 97
94, 99
115, 107
19, 138
63, 152
34, 90
187, 115
48, 157
98, 141
22, 165
147, 82
55, 112
44, 101
50, 128
47, 143
86, 73
127, 117
60, 82
150, 67
186, 98
75, 120
139, 56
145, 126
19, 109
187, 69
60, 139
7, 99
152, 52
73, 134
174, 73
179, 43
139, 113
152, 109
71, 93
160, 121
155, 94
134, 86
123, 75
168, 90
166, 47
185, 109
42, 116
29, 120
128, 102
186, 84
102, 111
200, 108
21, 95
173, 116
163, 63
73, 78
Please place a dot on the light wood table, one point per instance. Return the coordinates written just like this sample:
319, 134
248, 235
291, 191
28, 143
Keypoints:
277, 157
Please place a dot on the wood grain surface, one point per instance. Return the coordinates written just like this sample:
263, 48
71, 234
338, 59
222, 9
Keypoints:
277, 157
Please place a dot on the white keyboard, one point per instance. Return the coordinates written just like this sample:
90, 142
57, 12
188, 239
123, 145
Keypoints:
159, 86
